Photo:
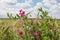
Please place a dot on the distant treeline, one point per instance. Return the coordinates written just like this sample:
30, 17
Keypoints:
17, 18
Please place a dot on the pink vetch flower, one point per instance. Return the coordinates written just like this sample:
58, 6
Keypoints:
20, 32
52, 28
22, 12
37, 38
37, 33
20, 21
35, 22
49, 22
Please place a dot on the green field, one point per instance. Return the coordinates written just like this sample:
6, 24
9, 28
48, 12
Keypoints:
9, 21
8, 29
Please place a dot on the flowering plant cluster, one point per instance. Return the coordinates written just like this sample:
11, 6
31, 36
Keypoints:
44, 28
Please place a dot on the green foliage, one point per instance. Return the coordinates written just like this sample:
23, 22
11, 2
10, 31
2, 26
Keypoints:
48, 27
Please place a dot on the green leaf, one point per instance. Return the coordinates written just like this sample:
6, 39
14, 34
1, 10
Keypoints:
12, 16
45, 13
40, 9
27, 13
41, 16
8, 15
15, 17
18, 16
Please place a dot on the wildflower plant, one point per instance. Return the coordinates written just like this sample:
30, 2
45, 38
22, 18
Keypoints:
44, 28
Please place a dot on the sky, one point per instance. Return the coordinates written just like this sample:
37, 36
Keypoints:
13, 6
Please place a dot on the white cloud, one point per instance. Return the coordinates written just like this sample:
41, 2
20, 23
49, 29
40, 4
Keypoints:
34, 10
9, 1
49, 3
53, 8
28, 1
23, 5
11, 6
55, 11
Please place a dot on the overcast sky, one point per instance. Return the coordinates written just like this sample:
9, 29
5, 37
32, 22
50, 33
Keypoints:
13, 6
